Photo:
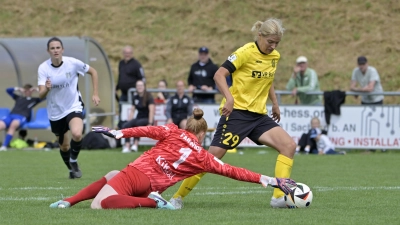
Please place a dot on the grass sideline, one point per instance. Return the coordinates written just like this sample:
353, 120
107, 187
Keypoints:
351, 189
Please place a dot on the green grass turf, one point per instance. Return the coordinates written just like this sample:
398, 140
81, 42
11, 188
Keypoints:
352, 189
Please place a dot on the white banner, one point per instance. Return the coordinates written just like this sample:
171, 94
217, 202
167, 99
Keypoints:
359, 127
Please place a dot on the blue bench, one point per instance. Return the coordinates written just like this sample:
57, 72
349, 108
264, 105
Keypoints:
4, 112
40, 121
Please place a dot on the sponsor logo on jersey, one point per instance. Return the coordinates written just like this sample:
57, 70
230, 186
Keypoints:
259, 74
185, 100
60, 85
68, 75
258, 61
165, 167
175, 101
232, 58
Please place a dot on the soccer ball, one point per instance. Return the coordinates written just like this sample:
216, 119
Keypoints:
300, 197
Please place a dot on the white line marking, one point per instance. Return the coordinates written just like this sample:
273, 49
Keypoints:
39, 188
199, 192
25, 199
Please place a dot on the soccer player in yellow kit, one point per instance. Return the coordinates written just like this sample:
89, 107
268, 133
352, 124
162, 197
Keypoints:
243, 109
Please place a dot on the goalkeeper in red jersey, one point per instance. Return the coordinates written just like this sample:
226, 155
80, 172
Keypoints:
176, 156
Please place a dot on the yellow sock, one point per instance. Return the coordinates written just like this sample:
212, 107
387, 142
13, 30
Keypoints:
187, 185
283, 169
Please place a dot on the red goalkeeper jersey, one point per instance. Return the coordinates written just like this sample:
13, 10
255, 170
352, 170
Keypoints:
178, 155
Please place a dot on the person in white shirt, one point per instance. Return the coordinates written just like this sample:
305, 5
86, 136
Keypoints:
324, 145
58, 83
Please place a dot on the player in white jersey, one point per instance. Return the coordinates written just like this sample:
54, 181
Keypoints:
58, 82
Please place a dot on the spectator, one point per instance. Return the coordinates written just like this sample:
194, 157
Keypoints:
162, 97
201, 77
304, 79
21, 112
368, 79
143, 102
324, 145
307, 144
130, 71
179, 107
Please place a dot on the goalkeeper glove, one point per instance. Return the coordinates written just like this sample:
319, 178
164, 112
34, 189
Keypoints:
282, 183
107, 131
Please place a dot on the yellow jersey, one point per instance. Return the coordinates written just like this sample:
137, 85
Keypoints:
252, 74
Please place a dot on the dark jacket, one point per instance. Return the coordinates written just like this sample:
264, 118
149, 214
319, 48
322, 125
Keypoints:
332, 102
23, 105
129, 73
202, 75
179, 107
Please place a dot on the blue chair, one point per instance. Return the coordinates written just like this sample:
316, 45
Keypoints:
4, 112
41, 121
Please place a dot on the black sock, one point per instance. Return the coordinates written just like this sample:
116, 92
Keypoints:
65, 158
75, 149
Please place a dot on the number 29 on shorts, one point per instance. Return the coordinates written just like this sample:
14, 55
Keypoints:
230, 139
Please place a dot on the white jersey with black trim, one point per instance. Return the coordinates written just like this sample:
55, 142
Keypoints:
64, 96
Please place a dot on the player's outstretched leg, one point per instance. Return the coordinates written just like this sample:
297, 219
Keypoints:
89, 192
278, 139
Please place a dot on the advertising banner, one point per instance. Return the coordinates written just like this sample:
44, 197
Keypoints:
358, 127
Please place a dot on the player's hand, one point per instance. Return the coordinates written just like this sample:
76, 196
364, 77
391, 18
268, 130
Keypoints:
228, 107
282, 183
276, 113
169, 121
48, 83
107, 131
96, 99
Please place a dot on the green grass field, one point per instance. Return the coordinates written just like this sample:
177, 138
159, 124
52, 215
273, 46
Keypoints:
352, 189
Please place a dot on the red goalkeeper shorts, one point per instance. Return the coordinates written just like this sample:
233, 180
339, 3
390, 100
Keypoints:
132, 182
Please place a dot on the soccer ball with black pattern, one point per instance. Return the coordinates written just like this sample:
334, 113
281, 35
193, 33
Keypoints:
301, 196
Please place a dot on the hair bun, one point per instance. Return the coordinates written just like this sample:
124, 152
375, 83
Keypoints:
198, 114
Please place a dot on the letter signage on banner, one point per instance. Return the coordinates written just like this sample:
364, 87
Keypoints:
358, 127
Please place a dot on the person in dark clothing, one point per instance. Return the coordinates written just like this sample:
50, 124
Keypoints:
201, 77
21, 112
179, 107
143, 102
130, 71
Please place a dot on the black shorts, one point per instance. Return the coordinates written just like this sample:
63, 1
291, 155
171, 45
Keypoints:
178, 120
239, 125
61, 126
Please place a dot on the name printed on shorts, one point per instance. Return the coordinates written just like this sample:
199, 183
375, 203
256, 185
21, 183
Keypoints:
190, 142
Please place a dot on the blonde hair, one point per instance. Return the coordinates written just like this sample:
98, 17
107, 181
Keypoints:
196, 123
271, 26
315, 119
